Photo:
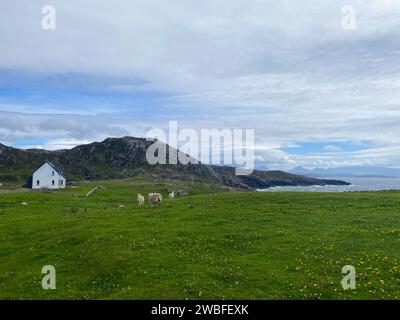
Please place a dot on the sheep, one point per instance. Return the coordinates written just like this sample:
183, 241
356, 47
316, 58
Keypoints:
24, 204
171, 195
155, 198
140, 199
152, 194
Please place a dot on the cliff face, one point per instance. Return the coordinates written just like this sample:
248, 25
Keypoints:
126, 157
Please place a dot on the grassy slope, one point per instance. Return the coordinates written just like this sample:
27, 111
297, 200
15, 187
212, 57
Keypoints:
204, 246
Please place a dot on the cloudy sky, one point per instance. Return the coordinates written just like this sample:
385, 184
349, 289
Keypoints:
316, 94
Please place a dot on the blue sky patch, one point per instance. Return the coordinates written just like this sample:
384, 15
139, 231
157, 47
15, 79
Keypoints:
327, 146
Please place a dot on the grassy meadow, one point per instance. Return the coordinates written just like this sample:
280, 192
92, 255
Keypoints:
211, 244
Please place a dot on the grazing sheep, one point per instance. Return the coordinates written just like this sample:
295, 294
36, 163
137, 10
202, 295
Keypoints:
155, 198
140, 199
24, 204
171, 196
121, 206
155, 194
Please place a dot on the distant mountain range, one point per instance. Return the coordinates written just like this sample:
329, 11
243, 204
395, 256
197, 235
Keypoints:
354, 171
125, 157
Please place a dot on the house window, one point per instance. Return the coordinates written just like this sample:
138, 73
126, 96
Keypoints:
61, 182
37, 182
52, 182
52, 173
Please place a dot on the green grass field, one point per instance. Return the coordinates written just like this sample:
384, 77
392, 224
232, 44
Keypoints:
208, 245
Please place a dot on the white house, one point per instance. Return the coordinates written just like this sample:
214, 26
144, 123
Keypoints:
48, 176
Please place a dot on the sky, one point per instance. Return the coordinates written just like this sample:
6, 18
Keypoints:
316, 94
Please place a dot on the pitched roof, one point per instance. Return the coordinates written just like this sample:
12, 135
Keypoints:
58, 170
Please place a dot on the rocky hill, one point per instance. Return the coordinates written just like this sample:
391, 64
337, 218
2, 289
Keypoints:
125, 157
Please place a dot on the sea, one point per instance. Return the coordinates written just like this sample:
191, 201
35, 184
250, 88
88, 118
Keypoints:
357, 184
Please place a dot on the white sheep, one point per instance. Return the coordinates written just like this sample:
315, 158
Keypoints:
140, 199
152, 194
24, 204
171, 195
155, 198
